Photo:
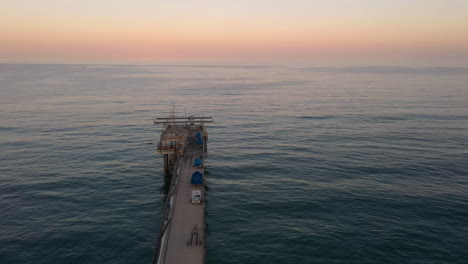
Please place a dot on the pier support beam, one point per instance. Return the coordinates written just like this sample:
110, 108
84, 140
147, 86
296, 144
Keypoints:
169, 163
167, 167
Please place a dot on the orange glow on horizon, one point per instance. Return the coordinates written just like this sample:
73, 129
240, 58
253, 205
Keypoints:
53, 35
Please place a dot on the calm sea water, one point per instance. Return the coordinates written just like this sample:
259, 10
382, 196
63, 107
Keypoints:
306, 165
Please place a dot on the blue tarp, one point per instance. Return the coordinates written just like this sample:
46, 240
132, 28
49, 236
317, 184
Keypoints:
198, 163
197, 178
199, 135
199, 142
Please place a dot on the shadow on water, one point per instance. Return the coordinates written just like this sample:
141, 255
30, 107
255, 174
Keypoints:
165, 188
207, 173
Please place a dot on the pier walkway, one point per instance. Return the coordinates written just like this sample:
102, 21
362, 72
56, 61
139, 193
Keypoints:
182, 234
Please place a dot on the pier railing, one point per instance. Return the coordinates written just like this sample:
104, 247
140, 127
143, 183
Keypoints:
167, 209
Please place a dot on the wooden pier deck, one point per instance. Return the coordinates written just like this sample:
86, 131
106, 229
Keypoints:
182, 234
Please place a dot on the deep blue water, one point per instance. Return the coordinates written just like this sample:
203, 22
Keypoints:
306, 165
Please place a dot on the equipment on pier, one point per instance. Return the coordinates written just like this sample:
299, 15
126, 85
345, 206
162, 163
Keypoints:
199, 143
197, 178
198, 163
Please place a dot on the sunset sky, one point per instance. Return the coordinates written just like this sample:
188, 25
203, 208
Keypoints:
238, 29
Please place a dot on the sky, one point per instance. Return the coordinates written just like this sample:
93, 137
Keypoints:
152, 30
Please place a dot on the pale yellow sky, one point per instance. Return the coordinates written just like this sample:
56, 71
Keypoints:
209, 29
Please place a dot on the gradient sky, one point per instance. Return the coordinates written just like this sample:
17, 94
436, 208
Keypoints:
237, 29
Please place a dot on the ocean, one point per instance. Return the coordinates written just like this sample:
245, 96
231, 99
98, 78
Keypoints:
306, 164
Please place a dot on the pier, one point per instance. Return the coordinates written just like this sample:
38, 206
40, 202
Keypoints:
183, 144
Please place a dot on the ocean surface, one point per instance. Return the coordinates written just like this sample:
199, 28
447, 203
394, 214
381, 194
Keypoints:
306, 164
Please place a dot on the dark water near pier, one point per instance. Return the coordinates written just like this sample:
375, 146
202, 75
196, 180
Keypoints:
307, 164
